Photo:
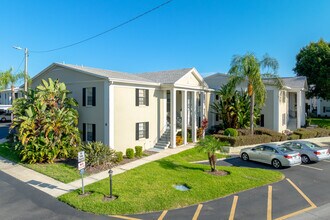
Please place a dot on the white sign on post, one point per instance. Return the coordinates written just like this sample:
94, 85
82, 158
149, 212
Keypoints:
81, 165
81, 156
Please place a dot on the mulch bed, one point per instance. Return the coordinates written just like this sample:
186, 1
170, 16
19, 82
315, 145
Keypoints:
218, 173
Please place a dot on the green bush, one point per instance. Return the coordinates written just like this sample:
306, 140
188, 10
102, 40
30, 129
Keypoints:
275, 135
119, 156
129, 153
305, 133
293, 137
96, 153
322, 132
138, 151
243, 132
244, 140
232, 132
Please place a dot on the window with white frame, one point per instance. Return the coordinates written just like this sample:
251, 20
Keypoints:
142, 97
89, 96
89, 132
142, 130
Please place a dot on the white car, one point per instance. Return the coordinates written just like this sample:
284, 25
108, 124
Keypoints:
272, 154
5, 117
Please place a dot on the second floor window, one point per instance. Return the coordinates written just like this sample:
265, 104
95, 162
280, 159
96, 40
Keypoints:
89, 96
142, 97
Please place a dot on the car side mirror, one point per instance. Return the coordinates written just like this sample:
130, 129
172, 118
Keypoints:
253, 149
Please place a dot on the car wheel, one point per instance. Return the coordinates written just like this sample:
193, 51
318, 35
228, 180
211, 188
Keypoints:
245, 156
276, 163
3, 119
305, 159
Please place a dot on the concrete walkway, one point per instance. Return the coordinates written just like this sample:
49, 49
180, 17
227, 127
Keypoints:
56, 188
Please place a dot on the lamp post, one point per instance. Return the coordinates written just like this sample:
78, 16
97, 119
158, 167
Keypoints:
26, 54
110, 175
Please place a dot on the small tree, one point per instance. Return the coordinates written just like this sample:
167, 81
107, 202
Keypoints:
46, 123
210, 145
8, 79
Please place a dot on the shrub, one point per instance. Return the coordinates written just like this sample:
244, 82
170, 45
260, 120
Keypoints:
243, 132
305, 133
322, 132
244, 140
232, 132
200, 132
119, 156
293, 137
275, 136
96, 153
138, 151
179, 140
129, 153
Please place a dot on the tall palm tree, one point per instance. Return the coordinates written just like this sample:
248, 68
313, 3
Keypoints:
9, 79
247, 69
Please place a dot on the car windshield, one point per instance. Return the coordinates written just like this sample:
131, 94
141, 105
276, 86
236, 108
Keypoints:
311, 145
284, 149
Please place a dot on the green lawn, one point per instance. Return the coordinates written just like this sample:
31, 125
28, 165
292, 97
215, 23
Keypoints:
58, 171
150, 186
321, 122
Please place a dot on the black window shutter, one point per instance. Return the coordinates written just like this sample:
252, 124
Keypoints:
147, 97
84, 97
136, 97
84, 131
94, 96
137, 131
147, 130
262, 121
324, 109
94, 132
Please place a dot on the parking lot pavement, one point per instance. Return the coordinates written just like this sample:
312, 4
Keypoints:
305, 188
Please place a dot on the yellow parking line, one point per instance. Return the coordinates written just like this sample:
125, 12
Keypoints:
269, 203
301, 193
315, 168
295, 213
312, 205
124, 217
233, 208
198, 210
162, 215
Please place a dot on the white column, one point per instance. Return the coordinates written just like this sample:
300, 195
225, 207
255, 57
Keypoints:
193, 117
299, 109
277, 118
318, 106
165, 111
184, 116
111, 117
173, 118
202, 107
106, 101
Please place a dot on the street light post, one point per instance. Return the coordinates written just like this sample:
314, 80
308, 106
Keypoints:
26, 55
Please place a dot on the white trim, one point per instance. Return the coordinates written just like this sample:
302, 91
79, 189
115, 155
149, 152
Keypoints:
194, 117
299, 113
276, 117
173, 118
111, 116
106, 113
184, 116
164, 111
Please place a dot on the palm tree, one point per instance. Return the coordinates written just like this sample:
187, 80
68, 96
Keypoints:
247, 69
8, 78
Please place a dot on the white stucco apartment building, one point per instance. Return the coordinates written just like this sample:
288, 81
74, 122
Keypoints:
284, 109
125, 110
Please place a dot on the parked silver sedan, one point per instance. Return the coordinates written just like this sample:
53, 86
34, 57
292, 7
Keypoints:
272, 154
308, 150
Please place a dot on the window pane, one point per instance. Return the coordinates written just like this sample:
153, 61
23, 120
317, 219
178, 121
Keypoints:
89, 96
141, 130
89, 135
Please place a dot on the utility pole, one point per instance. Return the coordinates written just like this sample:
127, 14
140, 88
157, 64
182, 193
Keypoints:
26, 55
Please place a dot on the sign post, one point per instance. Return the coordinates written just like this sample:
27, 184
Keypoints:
81, 168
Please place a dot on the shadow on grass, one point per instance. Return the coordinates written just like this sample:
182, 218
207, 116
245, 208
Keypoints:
170, 165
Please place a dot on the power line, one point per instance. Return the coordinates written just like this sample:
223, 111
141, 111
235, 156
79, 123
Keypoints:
104, 32
19, 66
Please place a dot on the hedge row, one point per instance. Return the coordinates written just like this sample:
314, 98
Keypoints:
304, 133
275, 135
244, 140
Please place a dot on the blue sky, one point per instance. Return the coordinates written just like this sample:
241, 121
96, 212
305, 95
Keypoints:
184, 33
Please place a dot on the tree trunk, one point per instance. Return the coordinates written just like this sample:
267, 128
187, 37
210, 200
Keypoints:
252, 114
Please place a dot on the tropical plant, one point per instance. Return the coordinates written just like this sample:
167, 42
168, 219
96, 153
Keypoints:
211, 145
46, 123
9, 79
247, 69
96, 154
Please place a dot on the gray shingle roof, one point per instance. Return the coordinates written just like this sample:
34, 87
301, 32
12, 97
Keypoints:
108, 73
215, 81
165, 77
